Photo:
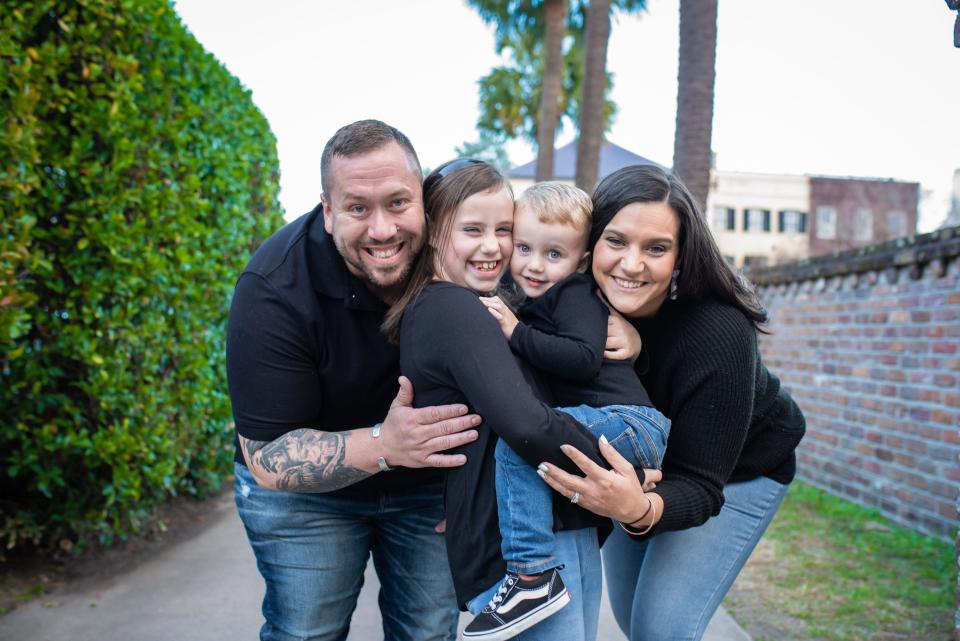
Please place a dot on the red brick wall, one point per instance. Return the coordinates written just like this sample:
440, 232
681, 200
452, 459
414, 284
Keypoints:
868, 342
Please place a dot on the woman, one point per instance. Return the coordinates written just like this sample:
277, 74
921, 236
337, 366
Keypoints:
452, 348
730, 454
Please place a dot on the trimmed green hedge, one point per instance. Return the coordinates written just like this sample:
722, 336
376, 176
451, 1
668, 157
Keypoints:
135, 176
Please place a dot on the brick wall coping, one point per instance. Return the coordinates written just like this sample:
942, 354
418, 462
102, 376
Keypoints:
914, 252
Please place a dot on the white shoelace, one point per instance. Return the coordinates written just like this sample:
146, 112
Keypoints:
498, 597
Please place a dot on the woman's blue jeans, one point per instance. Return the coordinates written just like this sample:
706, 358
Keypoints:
312, 550
579, 553
669, 586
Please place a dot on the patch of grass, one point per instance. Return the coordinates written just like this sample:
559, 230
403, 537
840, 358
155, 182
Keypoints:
845, 573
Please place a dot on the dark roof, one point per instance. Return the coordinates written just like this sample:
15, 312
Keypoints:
612, 158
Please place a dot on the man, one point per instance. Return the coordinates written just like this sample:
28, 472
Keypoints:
320, 424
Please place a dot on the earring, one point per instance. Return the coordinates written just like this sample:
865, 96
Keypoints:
673, 284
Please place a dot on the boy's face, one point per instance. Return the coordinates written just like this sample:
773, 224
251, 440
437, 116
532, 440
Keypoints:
544, 253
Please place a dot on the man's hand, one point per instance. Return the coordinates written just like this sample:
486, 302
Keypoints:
502, 312
416, 437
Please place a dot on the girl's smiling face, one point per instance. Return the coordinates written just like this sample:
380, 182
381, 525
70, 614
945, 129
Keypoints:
635, 257
479, 244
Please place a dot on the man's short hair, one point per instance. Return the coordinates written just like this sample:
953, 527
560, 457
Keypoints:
557, 202
362, 137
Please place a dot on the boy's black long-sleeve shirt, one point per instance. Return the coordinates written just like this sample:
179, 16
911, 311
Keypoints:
563, 334
453, 351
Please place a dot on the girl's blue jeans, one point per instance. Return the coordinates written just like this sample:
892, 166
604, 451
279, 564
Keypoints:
525, 502
670, 585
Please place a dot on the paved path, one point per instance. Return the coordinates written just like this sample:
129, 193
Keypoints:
204, 588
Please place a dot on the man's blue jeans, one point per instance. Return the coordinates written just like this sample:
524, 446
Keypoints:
524, 501
579, 553
312, 550
670, 585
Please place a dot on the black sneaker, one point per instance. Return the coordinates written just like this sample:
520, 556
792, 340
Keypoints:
519, 604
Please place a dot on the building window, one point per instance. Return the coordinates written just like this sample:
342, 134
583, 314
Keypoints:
756, 220
826, 222
863, 224
896, 224
793, 222
724, 219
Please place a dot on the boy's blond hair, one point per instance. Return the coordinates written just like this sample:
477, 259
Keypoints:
557, 202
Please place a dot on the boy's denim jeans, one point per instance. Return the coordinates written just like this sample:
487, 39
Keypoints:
524, 501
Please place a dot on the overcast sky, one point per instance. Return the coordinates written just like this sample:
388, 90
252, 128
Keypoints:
850, 88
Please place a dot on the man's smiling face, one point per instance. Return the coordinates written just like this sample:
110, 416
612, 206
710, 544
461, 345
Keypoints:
374, 212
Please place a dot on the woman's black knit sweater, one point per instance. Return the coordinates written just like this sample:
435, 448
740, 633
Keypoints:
731, 420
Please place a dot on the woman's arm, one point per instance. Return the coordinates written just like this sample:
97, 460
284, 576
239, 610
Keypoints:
713, 384
617, 493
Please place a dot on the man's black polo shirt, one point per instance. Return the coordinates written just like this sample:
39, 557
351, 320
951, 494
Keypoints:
304, 347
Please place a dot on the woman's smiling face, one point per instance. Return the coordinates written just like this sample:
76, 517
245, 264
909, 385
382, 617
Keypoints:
479, 245
635, 257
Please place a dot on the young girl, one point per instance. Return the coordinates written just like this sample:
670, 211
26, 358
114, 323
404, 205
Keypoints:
454, 351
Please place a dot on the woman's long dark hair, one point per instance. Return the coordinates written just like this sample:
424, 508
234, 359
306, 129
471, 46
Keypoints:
704, 273
444, 190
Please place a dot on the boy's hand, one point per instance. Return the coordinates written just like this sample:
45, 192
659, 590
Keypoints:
623, 340
504, 315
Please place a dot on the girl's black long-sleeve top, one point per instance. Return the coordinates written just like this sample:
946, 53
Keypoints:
731, 420
453, 351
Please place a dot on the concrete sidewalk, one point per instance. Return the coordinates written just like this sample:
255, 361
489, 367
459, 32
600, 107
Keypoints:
205, 588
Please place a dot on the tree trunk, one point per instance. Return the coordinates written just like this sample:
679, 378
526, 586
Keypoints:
695, 80
591, 103
549, 114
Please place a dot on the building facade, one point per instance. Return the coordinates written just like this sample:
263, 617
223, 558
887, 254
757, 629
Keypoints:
851, 212
759, 219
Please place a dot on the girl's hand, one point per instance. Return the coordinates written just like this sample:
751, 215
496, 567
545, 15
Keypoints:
623, 341
616, 493
504, 315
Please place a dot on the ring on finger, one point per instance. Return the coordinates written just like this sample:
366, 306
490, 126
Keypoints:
575, 498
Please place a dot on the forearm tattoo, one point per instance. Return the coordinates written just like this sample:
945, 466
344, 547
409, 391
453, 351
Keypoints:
305, 460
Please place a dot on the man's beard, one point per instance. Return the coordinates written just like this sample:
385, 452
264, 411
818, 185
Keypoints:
391, 282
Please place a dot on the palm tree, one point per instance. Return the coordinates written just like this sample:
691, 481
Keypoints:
591, 104
554, 13
593, 119
515, 99
695, 81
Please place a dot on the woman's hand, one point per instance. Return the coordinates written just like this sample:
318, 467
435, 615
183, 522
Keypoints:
502, 312
616, 493
623, 341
